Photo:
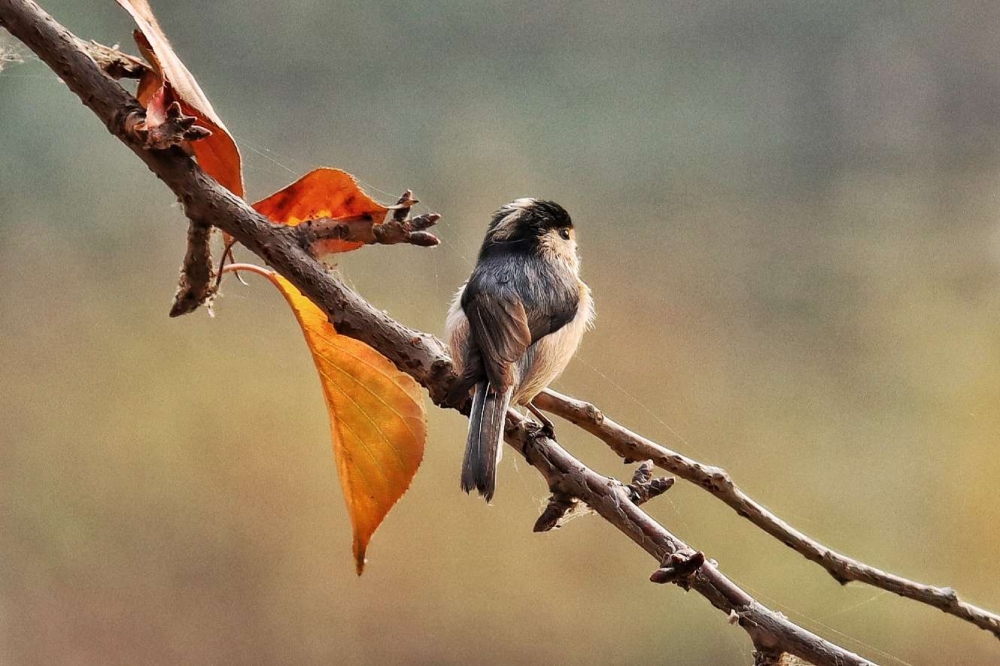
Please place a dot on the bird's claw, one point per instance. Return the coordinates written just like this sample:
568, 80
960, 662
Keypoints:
544, 429
547, 428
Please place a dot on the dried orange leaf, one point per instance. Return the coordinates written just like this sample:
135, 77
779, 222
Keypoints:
377, 418
168, 81
323, 192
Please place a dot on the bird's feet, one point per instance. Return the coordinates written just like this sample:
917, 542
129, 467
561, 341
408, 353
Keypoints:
549, 430
534, 429
546, 426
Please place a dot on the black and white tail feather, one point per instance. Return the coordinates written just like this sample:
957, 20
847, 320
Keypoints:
514, 325
484, 446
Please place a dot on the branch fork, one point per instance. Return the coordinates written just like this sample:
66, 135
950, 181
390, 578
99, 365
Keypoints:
720, 484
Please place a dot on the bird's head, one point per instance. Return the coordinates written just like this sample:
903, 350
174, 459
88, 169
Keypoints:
533, 226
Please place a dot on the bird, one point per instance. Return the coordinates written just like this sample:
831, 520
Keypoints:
514, 325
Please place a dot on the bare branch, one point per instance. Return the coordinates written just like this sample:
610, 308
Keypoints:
197, 284
365, 230
397, 228
562, 506
717, 481
612, 501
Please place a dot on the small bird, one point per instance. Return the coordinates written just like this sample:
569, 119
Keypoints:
515, 324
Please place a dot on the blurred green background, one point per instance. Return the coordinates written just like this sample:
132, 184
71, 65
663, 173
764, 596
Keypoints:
788, 215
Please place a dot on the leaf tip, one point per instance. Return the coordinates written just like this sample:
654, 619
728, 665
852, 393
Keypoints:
359, 558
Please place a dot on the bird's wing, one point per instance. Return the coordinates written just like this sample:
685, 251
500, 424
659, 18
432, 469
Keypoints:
499, 327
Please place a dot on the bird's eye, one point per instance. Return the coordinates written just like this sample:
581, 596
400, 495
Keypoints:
564, 233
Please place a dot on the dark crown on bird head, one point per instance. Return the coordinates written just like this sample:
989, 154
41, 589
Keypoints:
527, 218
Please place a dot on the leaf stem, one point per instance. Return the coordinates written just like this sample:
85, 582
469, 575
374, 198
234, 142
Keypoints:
249, 268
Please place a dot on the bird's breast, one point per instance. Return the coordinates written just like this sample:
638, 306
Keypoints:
549, 356
457, 331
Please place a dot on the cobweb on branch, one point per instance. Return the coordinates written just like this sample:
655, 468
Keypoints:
9, 55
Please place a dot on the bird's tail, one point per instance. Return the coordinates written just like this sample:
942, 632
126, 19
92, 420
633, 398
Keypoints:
482, 448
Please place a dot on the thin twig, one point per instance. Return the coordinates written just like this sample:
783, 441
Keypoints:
717, 481
365, 230
197, 284
398, 227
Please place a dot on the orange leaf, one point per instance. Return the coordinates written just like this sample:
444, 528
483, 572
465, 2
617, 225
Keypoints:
170, 81
376, 418
323, 192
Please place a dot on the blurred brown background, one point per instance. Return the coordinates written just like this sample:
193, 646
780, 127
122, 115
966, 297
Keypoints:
788, 214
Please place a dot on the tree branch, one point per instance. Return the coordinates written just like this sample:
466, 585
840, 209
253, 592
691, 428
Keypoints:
562, 506
419, 354
717, 481
197, 284
612, 500
365, 230
115, 63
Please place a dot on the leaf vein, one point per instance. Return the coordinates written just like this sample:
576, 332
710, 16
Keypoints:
392, 446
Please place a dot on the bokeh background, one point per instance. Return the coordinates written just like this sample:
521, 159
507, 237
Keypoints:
789, 217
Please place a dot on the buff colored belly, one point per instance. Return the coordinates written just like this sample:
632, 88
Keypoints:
545, 359
552, 353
